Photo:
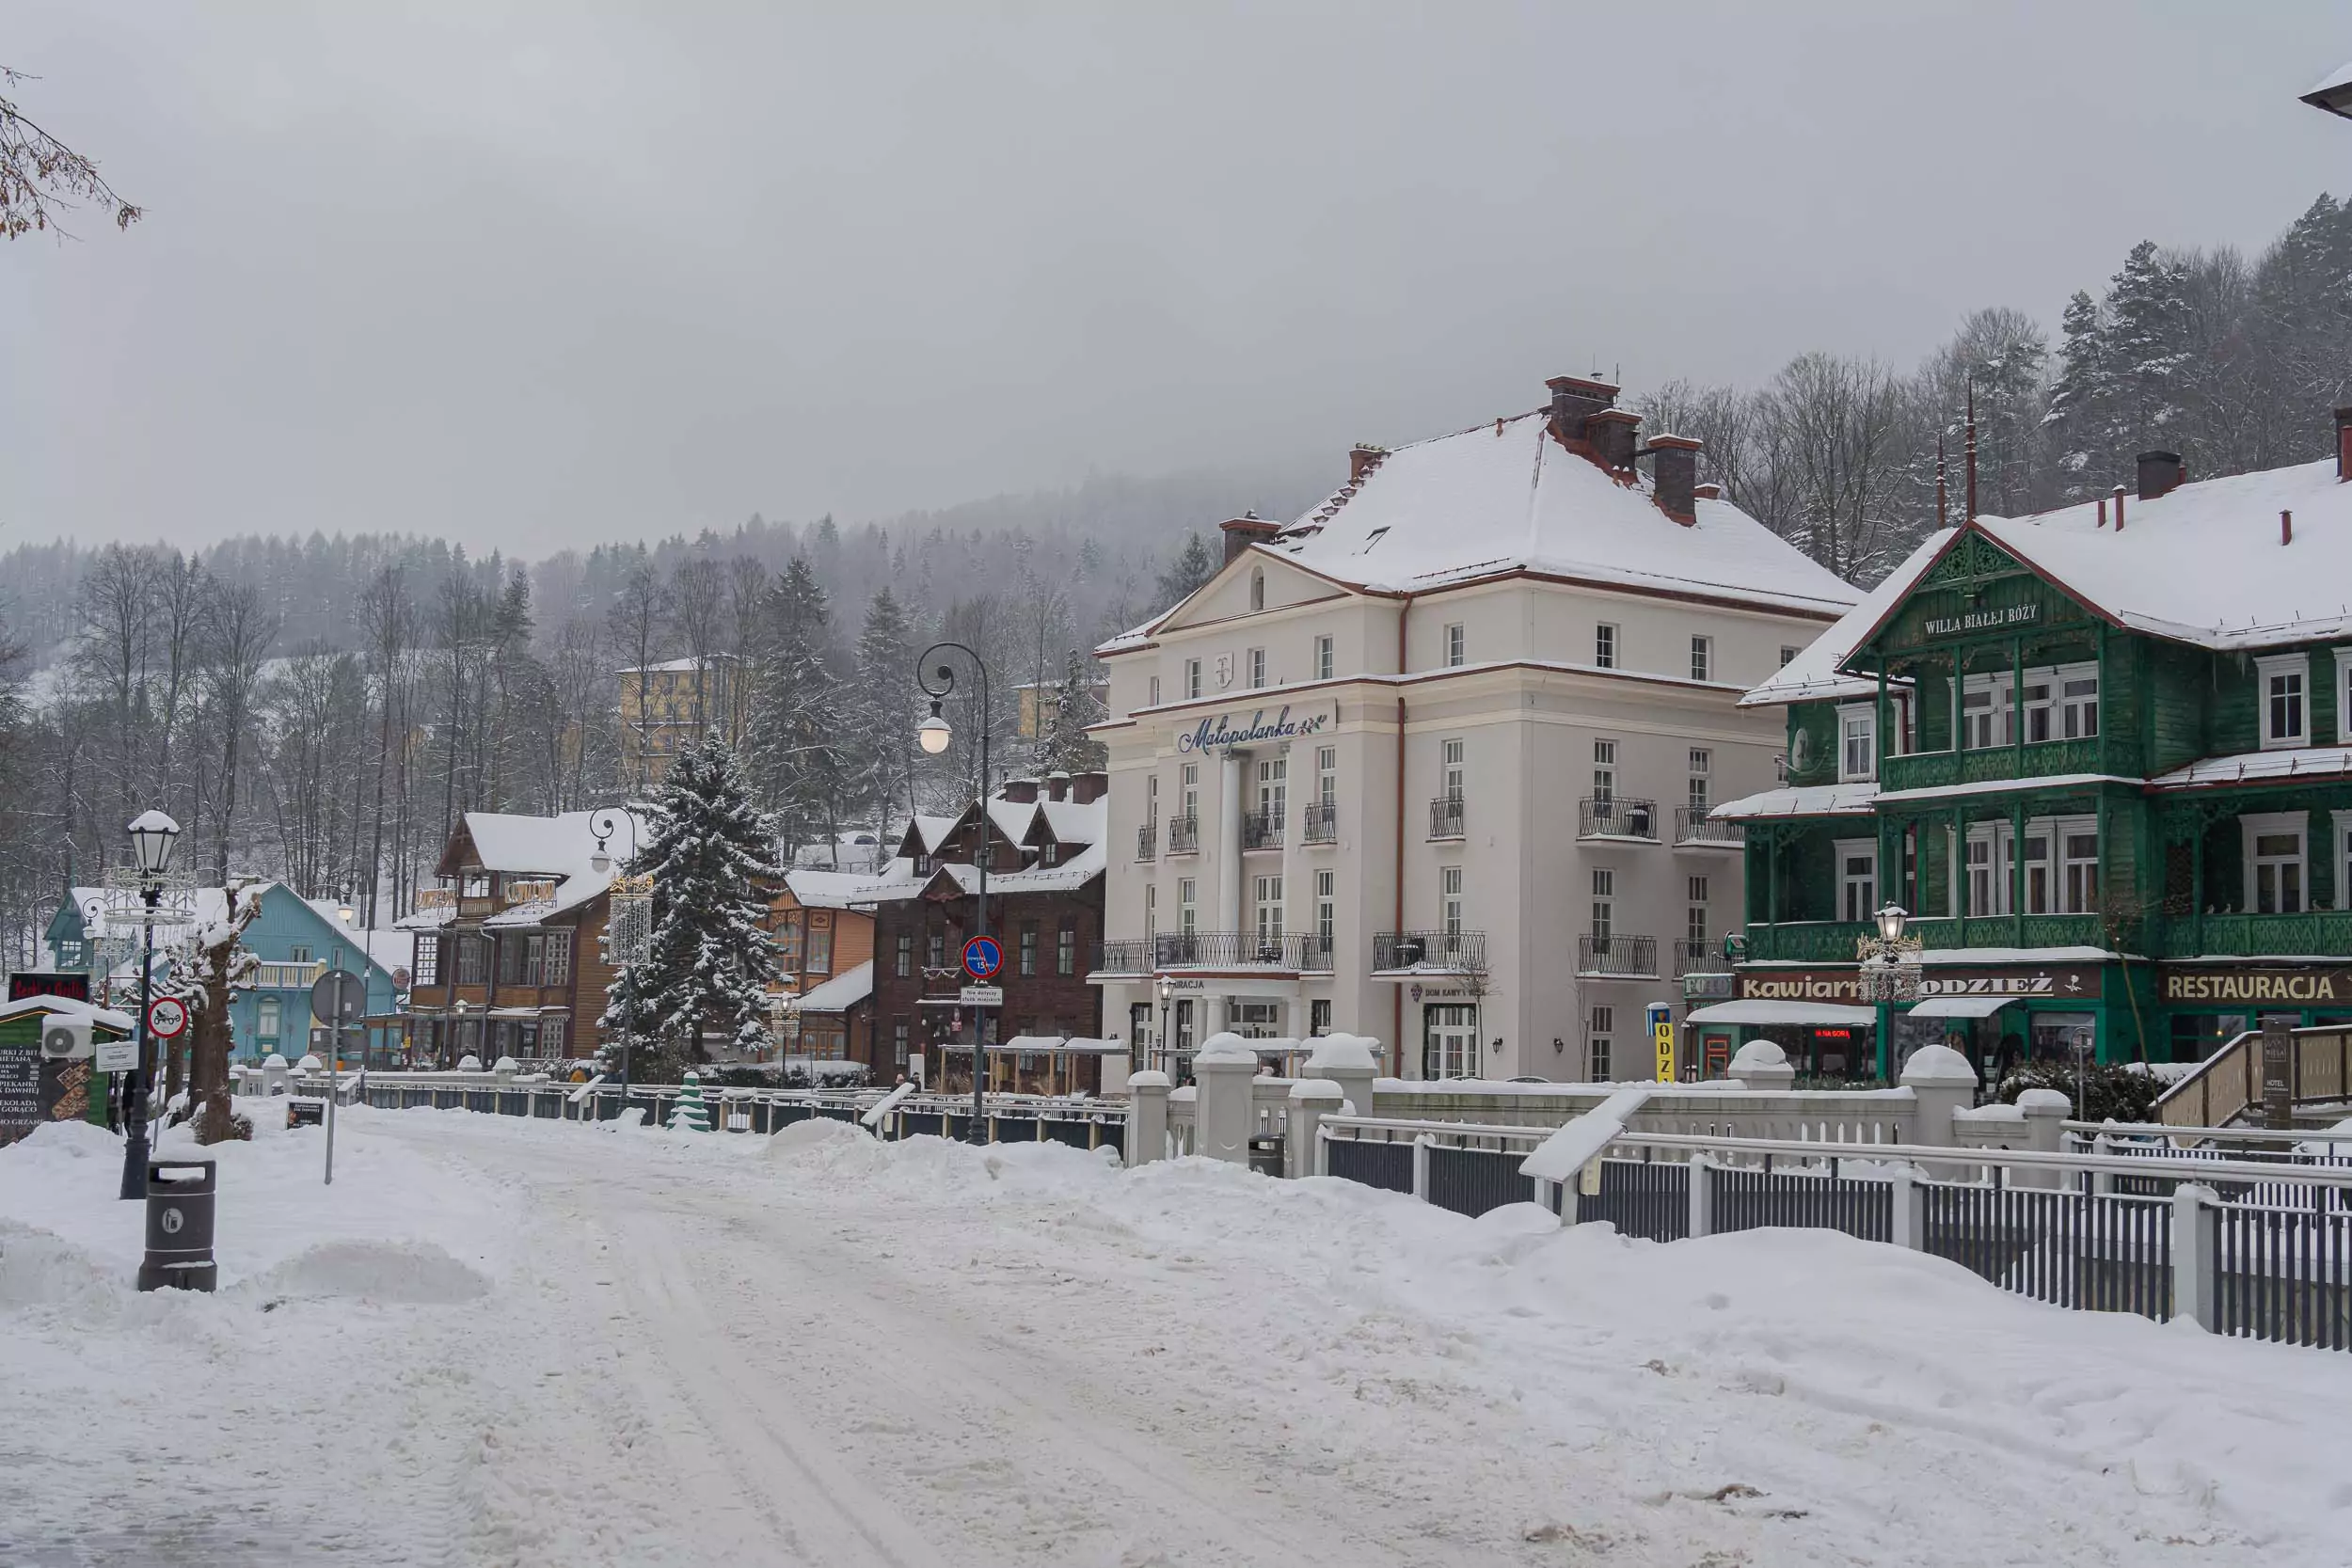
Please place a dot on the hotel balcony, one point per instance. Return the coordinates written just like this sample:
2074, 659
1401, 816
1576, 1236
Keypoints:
1445, 816
1294, 951
1184, 835
1699, 957
1449, 952
1319, 823
1617, 818
1262, 829
1695, 829
1148, 841
1614, 957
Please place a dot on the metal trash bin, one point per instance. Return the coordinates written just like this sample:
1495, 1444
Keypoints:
1265, 1156
180, 1196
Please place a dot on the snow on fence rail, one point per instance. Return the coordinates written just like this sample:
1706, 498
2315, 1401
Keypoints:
2275, 1263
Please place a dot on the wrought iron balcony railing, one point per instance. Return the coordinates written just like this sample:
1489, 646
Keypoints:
1320, 823
1184, 835
1618, 817
1210, 950
1445, 816
1148, 841
1632, 957
1262, 829
1457, 952
1694, 827
1697, 958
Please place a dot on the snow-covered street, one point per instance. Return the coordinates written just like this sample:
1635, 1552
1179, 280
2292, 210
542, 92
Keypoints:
502, 1341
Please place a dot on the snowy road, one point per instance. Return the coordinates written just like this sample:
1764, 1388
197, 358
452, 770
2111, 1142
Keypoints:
535, 1343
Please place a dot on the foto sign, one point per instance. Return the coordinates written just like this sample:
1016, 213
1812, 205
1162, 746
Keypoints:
1661, 1028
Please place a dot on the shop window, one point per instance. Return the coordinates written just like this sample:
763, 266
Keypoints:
1857, 878
1254, 1021
2280, 682
2273, 863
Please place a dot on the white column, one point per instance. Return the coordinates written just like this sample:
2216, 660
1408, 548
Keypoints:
1230, 890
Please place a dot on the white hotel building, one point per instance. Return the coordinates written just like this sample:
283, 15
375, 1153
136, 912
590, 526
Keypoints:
1433, 764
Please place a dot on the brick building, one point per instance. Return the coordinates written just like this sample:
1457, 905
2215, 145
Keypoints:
1044, 903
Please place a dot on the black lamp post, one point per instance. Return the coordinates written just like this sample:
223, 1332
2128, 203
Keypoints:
604, 825
1167, 997
153, 837
933, 734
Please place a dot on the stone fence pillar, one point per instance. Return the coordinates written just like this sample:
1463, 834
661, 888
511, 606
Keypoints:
2046, 1111
1940, 1081
1312, 1099
1352, 1062
1147, 1117
1226, 1113
1763, 1066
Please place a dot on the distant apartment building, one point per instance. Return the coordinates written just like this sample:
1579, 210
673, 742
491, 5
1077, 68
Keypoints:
1435, 762
666, 707
1040, 705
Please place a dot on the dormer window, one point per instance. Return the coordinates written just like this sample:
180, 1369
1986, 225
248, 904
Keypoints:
1049, 853
2280, 683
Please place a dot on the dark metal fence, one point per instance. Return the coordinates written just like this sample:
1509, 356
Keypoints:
1649, 1199
1387, 1165
2283, 1273
1473, 1181
2098, 1252
1753, 1199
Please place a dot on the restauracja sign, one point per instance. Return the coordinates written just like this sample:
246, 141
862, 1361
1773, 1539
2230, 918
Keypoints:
1212, 734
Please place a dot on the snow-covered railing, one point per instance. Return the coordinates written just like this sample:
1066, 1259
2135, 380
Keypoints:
2238, 1245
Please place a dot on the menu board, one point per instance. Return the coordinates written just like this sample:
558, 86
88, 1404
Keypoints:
19, 1090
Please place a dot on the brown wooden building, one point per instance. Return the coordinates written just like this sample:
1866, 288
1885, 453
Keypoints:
824, 957
509, 955
1044, 905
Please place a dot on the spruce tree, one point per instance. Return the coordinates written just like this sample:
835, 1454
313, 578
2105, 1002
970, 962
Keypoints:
710, 964
795, 717
2077, 397
1068, 747
1193, 566
882, 715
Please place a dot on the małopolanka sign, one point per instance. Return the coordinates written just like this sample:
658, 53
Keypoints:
1214, 736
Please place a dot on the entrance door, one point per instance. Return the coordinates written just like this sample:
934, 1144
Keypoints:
1449, 1041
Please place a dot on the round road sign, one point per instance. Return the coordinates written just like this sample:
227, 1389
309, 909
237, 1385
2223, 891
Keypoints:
166, 1016
982, 957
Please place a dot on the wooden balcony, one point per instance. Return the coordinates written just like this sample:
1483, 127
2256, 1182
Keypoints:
2041, 760
2312, 933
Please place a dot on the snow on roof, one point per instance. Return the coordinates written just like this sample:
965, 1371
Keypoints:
1070, 876
389, 948
710, 661
1995, 787
1507, 496
1839, 799
1012, 818
825, 889
2335, 81
2313, 762
69, 1007
1072, 823
2204, 564
930, 830
1813, 676
556, 845
842, 992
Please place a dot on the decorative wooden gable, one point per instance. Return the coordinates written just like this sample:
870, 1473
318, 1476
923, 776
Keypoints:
1976, 592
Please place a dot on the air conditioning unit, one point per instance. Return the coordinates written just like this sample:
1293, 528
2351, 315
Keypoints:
66, 1039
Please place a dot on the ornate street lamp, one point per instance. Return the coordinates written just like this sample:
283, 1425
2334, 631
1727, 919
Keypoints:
628, 923
1890, 961
153, 836
932, 735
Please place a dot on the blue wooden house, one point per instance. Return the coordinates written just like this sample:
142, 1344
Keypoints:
296, 940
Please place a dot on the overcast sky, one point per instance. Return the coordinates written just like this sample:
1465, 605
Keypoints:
533, 274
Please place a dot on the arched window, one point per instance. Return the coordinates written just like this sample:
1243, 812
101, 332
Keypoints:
1257, 589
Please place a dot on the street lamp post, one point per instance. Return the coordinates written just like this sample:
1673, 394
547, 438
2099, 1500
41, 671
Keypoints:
933, 734
1889, 972
1167, 998
627, 890
152, 838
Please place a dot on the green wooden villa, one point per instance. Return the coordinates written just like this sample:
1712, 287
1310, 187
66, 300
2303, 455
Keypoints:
2101, 756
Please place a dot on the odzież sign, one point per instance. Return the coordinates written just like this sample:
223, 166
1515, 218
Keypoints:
1844, 985
1212, 736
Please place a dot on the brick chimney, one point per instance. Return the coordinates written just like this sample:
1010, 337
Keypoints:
1021, 792
1710, 491
1057, 786
2344, 444
1245, 530
1576, 399
1676, 469
2160, 474
1612, 434
1362, 459
1087, 788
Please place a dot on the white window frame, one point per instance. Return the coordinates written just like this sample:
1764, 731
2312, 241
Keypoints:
1449, 899
2275, 667
1788, 654
1155, 692
1998, 688
1452, 767
1600, 1028
1188, 905
1850, 908
2077, 717
1702, 768
1457, 646
1327, 906
1192, 680
1866, 714
2041, 897
1328, 775
2343, 705
1702, 658
2066, 897
1607, 645
1325, 663
1256, 664
2340, 830
1604, 770
1266, 906
2256, 826
1999, 842
1604, 926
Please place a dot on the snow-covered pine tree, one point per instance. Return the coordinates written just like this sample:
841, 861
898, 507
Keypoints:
710, 964
795, 715
1068, 747
2147, 315
2078, 397
881, 716
1193, 565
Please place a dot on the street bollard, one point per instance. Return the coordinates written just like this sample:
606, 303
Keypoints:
180, 1194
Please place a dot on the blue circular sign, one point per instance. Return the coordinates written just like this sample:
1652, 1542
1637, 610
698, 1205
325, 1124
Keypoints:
983, 957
